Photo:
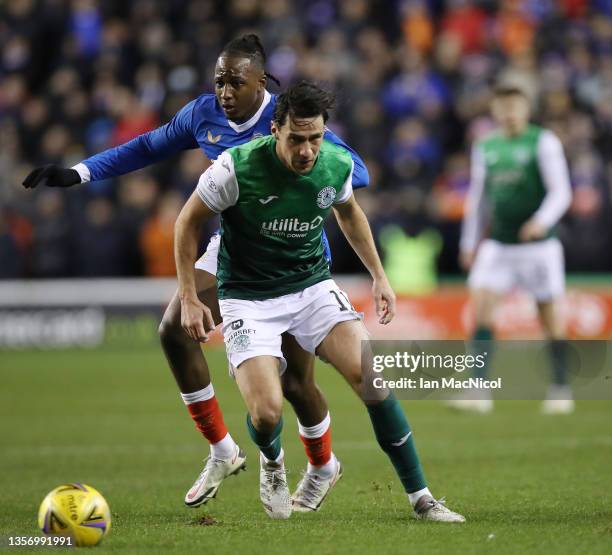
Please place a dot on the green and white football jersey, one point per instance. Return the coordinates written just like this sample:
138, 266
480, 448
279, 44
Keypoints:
272, 218
513, 183
515, 179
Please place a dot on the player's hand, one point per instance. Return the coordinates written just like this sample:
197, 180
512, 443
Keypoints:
532, 230
196, 319
52, 176
466, 259
384, 297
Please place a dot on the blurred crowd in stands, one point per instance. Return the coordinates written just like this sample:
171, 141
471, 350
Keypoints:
413, 81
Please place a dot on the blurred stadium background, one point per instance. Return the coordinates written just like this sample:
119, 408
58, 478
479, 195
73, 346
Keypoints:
413, 79
85, 273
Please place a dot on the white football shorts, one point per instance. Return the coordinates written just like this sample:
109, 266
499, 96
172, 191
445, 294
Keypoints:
537, 267
254, 328
208, 261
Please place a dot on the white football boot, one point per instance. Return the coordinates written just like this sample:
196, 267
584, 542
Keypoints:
476, 400
313, 489
559, 400
427, 508
214, 472
273, 488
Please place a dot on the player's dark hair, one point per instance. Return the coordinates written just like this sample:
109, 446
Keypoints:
504, 90
248, 46
304, 100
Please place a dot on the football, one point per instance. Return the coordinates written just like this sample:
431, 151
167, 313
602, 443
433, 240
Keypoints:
75, 510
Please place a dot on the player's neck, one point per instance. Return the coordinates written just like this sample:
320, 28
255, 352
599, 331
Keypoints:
256, 105
514, 132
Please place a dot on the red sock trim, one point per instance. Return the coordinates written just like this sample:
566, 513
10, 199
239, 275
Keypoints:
318, 449
208, 419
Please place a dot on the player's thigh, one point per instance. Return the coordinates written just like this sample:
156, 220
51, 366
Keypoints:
300, 364
206, 286
206, 280
492, 269
253, 329
259, 383
317, 310
543, 270
552, 319
484, 301
347, 349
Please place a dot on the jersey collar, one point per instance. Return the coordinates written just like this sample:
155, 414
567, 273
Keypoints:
241, 127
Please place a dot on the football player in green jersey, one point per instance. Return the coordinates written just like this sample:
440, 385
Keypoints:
520, 184
273, 195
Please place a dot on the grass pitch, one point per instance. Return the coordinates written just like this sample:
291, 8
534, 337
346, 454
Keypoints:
113, 419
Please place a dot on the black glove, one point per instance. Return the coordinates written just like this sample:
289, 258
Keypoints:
51, 176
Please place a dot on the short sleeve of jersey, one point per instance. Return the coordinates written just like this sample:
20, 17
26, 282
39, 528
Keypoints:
218, 187
347, 188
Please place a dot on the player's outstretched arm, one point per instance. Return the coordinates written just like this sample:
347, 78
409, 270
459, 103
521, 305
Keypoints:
356, 229
144, 150
196, 317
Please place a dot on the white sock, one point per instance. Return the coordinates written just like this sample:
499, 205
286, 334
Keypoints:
414, 497
326, 470
277, 460
317, 430
197, 396
223, 449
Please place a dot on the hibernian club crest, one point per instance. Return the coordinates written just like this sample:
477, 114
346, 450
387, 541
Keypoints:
241, 344
326, 197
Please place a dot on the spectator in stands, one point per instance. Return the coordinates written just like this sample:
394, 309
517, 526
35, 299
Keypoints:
413, 78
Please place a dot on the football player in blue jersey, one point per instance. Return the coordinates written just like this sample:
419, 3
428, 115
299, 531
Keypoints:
240, 109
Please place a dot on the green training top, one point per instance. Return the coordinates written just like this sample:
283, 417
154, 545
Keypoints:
513, 184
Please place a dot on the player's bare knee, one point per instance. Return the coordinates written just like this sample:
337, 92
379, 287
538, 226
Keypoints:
170, 326
355, 380
265, 418
483, 314
297, 387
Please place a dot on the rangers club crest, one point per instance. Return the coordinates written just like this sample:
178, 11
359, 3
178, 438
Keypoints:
326, 197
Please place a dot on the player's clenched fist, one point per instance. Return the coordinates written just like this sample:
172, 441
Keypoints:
51, 176
196, 319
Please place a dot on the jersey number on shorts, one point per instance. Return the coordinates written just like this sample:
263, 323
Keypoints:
340, 296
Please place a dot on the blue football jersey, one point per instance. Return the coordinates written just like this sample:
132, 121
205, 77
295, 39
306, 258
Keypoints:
201, 124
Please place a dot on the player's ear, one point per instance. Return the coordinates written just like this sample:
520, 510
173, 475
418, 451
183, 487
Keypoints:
274, 129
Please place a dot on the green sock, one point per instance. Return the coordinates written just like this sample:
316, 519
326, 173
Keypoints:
395, 437
482, 342
558, 359
269, 443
